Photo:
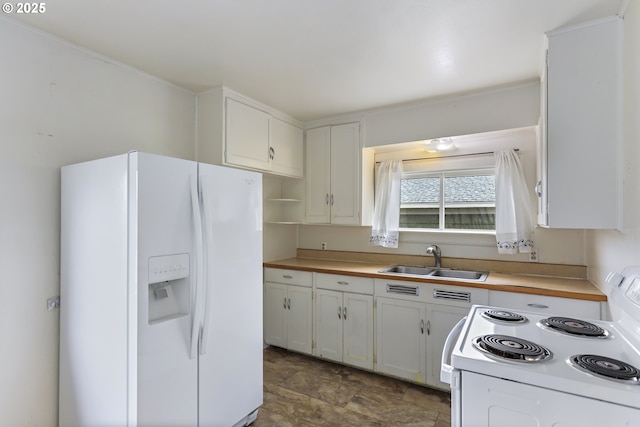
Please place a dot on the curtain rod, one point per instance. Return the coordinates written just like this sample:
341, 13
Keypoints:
452, 155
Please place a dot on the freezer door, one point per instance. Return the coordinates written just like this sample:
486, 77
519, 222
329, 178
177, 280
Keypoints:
230, 382
167, 375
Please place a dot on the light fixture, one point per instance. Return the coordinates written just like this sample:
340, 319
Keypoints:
439, 145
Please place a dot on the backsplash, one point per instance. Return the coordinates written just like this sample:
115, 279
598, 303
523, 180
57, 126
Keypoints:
510, 267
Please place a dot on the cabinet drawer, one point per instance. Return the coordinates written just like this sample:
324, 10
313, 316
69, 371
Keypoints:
546, 305
294, 277
336, 282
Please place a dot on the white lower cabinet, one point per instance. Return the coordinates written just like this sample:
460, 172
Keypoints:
412, 323
343, 321
396, 328
401, 344
288, 309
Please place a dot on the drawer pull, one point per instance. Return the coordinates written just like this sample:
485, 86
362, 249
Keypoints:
288, 276
533, 305
343, 283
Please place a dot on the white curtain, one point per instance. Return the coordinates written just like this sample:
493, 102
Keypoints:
514, 217
386, 216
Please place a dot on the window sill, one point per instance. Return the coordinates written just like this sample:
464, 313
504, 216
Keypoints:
453, 232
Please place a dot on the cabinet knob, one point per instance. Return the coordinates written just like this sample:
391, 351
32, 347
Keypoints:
339, 312
344, 313
422, 326
288, 276
343, 283
272, 153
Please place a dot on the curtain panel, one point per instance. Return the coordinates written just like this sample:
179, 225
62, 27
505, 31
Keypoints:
386, 217
514, 217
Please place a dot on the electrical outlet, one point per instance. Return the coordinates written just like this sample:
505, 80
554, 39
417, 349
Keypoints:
533, 255
323, 245
53, 303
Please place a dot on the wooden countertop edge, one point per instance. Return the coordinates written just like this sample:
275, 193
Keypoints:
495, 281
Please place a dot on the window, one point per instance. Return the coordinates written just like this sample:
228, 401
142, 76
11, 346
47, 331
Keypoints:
455, 200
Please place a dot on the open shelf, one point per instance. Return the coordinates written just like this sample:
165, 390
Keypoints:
283, 200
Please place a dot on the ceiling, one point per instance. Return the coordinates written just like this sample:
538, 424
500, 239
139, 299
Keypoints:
319, 58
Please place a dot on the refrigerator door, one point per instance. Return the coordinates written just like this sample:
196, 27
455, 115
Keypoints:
230, 382
167, 376
94, 332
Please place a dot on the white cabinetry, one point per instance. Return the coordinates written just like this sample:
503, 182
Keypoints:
412, 322
286, 145
247, 136
581, 309
237, 131
333, 175
288, 309
343, 319
580, 149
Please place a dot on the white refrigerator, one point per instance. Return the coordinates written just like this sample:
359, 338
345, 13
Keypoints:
161, 293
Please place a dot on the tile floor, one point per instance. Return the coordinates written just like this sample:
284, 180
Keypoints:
303, 391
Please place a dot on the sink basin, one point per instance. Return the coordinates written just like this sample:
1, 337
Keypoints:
460, 274
407, 269
441, 273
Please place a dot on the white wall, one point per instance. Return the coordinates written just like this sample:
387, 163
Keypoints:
482, 113
509, 107
59, 105
613, 250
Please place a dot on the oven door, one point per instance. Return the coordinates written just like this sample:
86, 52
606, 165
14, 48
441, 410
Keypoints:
452, 376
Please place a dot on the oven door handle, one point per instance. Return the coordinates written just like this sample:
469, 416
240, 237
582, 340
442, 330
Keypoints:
446, 369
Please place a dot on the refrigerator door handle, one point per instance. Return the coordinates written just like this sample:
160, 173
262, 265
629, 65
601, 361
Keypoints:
197, 230
207, 212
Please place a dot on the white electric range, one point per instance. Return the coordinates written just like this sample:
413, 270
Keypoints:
512, 368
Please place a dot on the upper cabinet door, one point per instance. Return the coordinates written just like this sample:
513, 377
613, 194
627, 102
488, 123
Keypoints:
247, 136
286, 148
582, 187
345, 174
318, 169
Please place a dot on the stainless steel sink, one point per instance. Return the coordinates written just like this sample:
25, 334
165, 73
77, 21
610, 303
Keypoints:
461, 274
441, 273
407, 269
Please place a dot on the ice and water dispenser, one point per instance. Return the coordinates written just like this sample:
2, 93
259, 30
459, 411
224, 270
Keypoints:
169, 290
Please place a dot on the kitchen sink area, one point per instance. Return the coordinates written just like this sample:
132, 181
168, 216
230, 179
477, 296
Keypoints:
440, 273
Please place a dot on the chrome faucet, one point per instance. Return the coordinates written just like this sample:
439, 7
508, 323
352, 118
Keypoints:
435, 251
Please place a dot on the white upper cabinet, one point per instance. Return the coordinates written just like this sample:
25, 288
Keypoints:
581, 130
286, 148
247, 136
333, 185
237, 131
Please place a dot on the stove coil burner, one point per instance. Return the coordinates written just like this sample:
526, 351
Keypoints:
511, 348
504, 316
575, 327
606, 367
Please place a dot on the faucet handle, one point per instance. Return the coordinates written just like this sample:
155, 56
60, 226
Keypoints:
433, 249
